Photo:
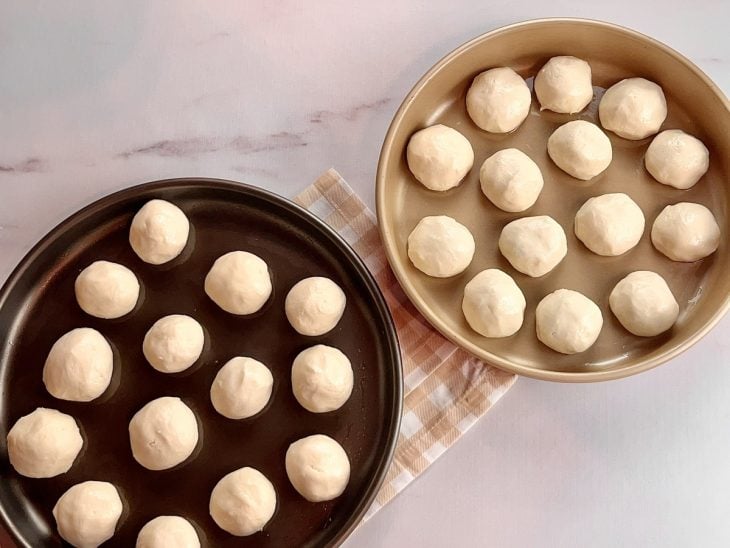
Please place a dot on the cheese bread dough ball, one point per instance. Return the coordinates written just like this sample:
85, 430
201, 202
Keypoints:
242, 388
239, 282
564, 85
168, 532
79, 366
677, 159
163, 433
511, 180
314, 306
610, 224
44, 443
634, 108
321, 378
644, 304
498, 100
159, 232
580, 149
439, 157
318, 468
173, 343
686, 232
567, 321
87, 514
493, 304
106, 290
242, 502
533, 245
440, 246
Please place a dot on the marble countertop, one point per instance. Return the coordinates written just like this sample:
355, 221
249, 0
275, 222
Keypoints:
98, 96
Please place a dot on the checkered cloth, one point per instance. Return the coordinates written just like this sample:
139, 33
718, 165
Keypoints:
446, 389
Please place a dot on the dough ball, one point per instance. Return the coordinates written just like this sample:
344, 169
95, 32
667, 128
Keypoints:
321, 378
173, 343
498, 100
242, 388
533, 245
314, 306
243, 502
609, 225
440, 246
493, 304
159, 232
79, 366
318, 468
677, 159
567, 321
580, 149
634, 108
87, 514
686, 232
511, 180
168, 532
239, 282
44, 443
644, 304
439, 157
564, 85
163, 433
106, 290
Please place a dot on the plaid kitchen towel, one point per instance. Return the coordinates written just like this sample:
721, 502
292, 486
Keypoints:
446, 389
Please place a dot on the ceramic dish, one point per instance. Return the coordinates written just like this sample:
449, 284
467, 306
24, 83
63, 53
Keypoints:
37, 305
695, 105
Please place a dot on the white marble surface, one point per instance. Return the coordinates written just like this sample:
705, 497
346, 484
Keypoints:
96, 96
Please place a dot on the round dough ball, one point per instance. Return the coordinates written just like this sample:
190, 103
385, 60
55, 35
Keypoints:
163, 433
243, 502
159, 232
686, 232
321, 378
567, 321
168, 532
79, 366
644, 304
173, 343
609, 225
533, 245
498, 100
314, 306
564, 85
242, 388
318, 468
511, 180
87, 514
634, 108
439, 157
493, 304
677, 159
239, 282
440, 246
44, 443
106, 290
580, 149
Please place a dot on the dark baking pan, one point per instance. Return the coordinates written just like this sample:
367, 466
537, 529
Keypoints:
37, 305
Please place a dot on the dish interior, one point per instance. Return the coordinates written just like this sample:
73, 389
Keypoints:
40, 306
701, 288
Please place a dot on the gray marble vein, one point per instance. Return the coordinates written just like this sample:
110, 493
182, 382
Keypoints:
29, 165
351, 114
